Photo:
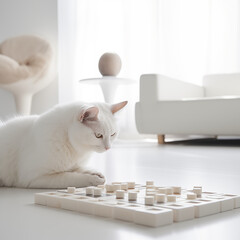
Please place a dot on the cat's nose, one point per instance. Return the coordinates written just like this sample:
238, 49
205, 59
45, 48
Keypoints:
107, 148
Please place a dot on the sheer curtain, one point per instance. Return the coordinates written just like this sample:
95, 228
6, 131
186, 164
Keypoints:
183, 39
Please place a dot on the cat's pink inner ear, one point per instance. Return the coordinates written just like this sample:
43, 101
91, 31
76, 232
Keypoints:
89, 114
118, 106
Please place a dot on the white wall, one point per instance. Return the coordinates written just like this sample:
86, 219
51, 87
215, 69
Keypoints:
38, 17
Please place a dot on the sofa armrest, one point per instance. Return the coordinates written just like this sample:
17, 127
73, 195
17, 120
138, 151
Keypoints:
154, 87
222, 84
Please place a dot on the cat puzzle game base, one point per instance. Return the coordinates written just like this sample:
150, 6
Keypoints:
147, 205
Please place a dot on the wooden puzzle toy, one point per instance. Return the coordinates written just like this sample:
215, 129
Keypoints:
147, 204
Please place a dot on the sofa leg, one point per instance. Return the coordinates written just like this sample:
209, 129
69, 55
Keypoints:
161, 139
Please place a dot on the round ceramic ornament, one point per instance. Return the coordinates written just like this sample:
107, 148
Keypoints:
110, 64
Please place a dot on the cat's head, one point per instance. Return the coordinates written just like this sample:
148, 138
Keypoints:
95, 126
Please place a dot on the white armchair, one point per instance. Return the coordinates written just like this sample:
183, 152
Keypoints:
26, 67
170, 106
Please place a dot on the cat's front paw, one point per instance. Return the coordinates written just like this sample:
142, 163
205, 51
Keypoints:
93, 172
95, 179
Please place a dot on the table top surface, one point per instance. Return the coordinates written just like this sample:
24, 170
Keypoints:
108, 79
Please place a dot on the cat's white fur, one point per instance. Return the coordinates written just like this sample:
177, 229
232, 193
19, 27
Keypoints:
50, 150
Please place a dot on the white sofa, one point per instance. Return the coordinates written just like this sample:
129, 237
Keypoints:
170, 106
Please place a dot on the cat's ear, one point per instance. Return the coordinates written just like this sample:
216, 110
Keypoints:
89, 114
118, 106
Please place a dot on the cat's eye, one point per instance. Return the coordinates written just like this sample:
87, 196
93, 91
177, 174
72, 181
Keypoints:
113, 134
98, 135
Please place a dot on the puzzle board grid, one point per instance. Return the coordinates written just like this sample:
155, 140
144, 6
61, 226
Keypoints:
147, 204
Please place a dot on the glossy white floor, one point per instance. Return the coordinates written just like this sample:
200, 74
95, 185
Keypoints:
216, 168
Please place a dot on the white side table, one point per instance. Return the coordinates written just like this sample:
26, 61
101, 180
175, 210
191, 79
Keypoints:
109, 85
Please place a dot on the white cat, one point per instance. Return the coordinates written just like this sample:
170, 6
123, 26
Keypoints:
50, 150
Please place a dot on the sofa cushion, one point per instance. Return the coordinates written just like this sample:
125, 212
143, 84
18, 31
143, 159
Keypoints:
200, 116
